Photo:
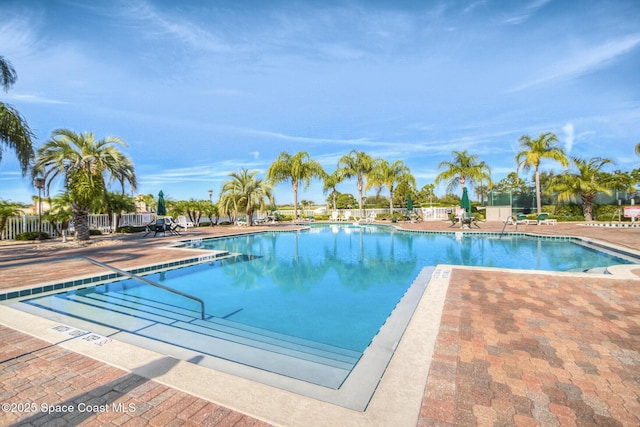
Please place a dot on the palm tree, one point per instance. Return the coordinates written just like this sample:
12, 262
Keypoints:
356, 164
297, 168
330, 183
245, 192
385, 175
464, 167
14, 130
59, 215
7, 210
534, 150
84, 163
637, 149
585, 183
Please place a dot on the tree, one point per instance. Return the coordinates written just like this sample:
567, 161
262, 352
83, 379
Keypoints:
14, 130
245, 192
330, 183
534, 150
59, 215
84, 164
464, 167
118, 203
297, 168
586, 182
428, 194
356, 164
637, 149
7, 210
512, 183
385, 175
620, 181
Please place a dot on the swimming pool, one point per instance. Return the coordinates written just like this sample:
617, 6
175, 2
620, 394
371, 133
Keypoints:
305, 304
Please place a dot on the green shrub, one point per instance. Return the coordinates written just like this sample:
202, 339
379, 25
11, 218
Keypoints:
32, 235
95, 232
127, 229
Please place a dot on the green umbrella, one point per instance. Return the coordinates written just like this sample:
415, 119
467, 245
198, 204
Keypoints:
162, 209
409, 203
464, 202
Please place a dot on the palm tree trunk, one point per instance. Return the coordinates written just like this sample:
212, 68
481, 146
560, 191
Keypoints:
81, 221
587, 206
391, 200
294, 184
538, 199
360, 193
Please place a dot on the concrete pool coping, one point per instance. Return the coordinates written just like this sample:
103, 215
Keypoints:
396, 400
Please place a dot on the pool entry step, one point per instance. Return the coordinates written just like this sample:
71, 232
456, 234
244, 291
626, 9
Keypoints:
305, 360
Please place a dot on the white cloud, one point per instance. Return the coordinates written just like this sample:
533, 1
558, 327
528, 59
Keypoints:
568, 137
34, 99
528, 10
584, 61
255, 154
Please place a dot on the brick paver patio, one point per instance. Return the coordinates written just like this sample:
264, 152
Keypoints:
513, 349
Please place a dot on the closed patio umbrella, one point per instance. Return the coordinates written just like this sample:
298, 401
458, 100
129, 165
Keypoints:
465, 203
162, 209
409, 203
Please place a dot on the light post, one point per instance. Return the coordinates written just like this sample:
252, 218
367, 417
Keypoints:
39, 183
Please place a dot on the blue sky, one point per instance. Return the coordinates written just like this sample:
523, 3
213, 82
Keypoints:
199, 89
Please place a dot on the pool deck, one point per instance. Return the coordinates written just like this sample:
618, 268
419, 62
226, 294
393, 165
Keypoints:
512, 348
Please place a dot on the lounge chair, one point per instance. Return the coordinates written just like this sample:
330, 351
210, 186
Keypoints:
241, 221
543, 218
370, 218
334, 216
346, 216
183, 222
517, 219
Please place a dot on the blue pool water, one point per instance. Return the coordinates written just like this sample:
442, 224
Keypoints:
338, 284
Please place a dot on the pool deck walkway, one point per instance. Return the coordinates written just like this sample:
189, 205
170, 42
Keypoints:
513, 348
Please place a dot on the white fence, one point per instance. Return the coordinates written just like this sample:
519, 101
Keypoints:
25, 223
427, 214
106, 224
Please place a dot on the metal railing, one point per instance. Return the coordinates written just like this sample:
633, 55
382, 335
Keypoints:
149, 282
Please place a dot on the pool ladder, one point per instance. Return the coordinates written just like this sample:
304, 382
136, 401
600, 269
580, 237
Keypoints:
147, 281
506, 222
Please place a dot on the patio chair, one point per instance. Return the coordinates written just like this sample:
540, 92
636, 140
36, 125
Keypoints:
543, 218
334, 216
346, 216
184, 222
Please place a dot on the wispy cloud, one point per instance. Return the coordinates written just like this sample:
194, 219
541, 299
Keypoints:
584, 61
34, 99
568, 137
525, 13
17, 34
155, 24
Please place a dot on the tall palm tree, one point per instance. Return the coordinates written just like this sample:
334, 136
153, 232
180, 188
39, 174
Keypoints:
84, 164
534, 150
356, 164
637, 149
330, 183
14, 130
245, 192
586, 182
388, 175
297, 168
464, 167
